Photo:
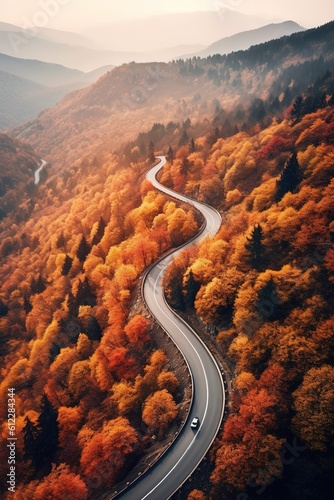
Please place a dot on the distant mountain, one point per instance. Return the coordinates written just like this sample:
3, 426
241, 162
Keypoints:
132, 97
15, 43
22, 100
52, 35
192, 28
28, 87
51, 75
170, 36
245, 39
165, 55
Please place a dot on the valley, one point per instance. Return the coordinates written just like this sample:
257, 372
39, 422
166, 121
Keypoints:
129, 306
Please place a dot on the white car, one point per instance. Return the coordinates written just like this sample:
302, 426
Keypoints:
194, 423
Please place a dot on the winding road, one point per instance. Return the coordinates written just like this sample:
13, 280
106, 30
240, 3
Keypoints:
38, 171
208, 403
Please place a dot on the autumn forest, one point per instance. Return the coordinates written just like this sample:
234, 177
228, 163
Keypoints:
98, 385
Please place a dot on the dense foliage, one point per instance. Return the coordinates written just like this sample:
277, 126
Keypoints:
250, 133
265, 285
18, 163
85, 368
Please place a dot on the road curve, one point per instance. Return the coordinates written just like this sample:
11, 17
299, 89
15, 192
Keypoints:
189, 448
37, 176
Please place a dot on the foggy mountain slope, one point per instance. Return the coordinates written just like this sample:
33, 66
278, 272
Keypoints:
52, 35
175, 29
51, 75
132, 97
14, 44
245, 39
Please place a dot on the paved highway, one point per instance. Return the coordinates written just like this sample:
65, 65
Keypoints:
38, 171
189, 448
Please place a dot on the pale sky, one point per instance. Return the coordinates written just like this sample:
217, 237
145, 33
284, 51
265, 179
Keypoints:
79, 15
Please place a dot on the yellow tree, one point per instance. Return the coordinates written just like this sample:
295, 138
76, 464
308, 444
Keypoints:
79, 381
169, 381
160, 411
125, 395
314, 407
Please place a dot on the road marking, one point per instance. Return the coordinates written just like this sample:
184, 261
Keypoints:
208, 214
171, 321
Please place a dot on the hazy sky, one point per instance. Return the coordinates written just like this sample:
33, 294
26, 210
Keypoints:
78, 15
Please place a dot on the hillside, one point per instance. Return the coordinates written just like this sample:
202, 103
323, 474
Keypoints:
17, 165
87, 361
50, 75
263, 288
132, 97
99, 390
53, 35
22, 100
244, 40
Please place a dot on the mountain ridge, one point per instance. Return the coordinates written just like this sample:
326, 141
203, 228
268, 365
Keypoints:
77, 57
136, 95
49, 74
202, 27
245, 39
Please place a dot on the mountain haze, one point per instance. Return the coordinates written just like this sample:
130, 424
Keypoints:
52, 35
51, 75
132, 97
17, 44
175, 29
245, 39
22, 100
101, 390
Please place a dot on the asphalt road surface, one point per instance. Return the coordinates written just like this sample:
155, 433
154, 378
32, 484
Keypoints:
191, 445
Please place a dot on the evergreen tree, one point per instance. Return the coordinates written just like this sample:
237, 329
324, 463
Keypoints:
257, 111
3, 309
255, 246
286, 101
83, 249
192, 146
176, 299
297, 108
93, 329
151, 155
30, 442
184, 139
41, 439
275, 106
191, 289
170, 155
85, 296
61, 242
289, 179
47, 434
72, 304
228, 130
38, 286
268, 301
26, 306
67, 265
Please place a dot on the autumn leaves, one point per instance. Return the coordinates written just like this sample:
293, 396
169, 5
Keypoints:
68, 304
264, 285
